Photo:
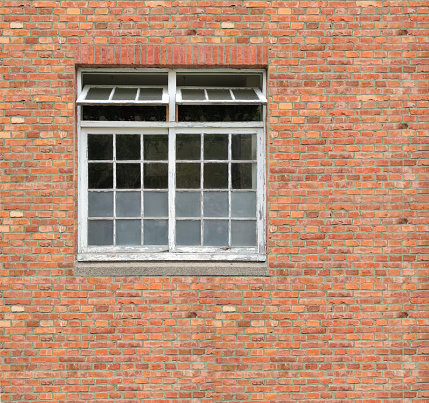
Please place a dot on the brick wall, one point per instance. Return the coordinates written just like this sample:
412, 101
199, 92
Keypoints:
343, 316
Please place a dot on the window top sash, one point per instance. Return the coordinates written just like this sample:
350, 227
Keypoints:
123, 95
219, 95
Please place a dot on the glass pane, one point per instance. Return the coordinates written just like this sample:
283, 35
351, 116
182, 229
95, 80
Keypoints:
216, 233
100, 204
155, 147
188, 176
128, 204
100, 147
98, 94
125, 94
243, 147
245, 94
215, 146
220, 113
100, 232
100, 176
243, 204
243, 176
149, 94
215, 176
188, 147
155, 232
128, 232
128, 176
127, 147
155, 176
215, 204
243, 233
218, 94
129, 113
193, 95
188, 204
155, 204
188, 233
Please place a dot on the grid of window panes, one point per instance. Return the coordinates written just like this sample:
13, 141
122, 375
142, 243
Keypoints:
216, 189
127, 189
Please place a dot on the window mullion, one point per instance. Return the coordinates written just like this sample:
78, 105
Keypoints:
172, 190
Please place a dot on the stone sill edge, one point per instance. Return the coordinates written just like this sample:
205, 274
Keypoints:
172, 269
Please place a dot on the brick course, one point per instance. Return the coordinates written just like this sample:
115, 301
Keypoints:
343, 316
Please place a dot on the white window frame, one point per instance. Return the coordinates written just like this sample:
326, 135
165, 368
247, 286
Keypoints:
170, 127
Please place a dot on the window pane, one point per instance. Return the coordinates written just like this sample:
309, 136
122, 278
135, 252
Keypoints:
125, 94
215, 147
155, 147
220, 113
215, 176
128, 176
155, 176
193, 95
98, 94
243, 233
149, 94
100, 204
187, 176
128, 204
188, 204
188, 233
215, 94
245, 94
100, 176
155, 204
216, 233
127, 147
243, 176
128, 232
188, 147
129, 113
243, 204
100, 232
100, 147
155, 232
243, 147
215, 204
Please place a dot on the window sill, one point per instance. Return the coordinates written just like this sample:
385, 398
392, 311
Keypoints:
211, 269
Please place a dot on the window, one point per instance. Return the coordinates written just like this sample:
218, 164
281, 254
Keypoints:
171, 165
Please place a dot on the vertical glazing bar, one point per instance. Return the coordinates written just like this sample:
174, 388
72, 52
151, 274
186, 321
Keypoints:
114, 189
142, 167
201, 189
229, 186
261, 192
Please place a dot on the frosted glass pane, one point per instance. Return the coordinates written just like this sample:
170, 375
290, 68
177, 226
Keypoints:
125, 94
128, 232
100, 232
100, 147
243, 147
128, 147
245, 94
128, 204
98, 94
243, 176
188, 204
219, 95
243, 233
216, 233
243, 204
155, 232
188, 233
128, 176
215, 176
155, 204
149, 94
100, 176
193, 95
100, 204
215, 204
215, 146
